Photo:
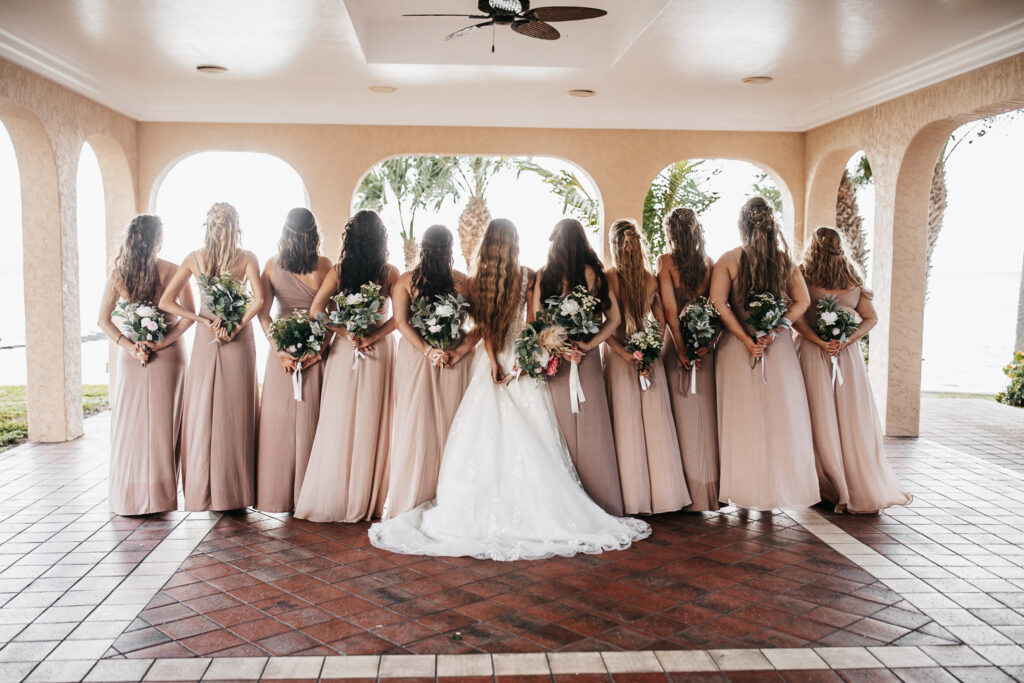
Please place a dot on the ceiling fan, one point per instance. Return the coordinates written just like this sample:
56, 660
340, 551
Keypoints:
532, 23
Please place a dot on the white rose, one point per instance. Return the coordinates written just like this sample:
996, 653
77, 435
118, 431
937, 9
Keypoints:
431, 322
569, 307
145, 310
543, 358
149, 324
836, 331
444, 311
830, 317
435, 329
290, 349
353, 299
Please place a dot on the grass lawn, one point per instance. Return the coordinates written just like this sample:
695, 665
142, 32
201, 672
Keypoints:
14, 417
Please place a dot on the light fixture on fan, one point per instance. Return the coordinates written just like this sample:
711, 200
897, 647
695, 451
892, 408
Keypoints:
532, 23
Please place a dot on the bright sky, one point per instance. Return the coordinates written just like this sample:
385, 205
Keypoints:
980, 247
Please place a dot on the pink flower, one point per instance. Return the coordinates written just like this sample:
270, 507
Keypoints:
552, 369
638, 355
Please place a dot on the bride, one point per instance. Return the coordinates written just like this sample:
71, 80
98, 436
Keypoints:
507, 489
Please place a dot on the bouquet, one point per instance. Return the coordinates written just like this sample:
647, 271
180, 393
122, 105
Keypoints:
700, 326
440, 322
139, 322
358, 312
645, 346
577, 313
538, 349
767, 314
226, 298
836, 323
299, 336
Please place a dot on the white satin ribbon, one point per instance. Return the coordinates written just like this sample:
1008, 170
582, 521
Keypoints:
356, 355
645, 383
837, 374
576, 396
693, 379
764, 361
297, 382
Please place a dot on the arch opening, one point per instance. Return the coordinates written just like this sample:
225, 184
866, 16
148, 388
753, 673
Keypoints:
90, 221
13, 368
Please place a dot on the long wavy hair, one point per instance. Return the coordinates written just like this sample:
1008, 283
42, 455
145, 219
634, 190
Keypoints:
568, 257
299, 247
432, 274
223, 241
685, 236
135, 272
826, 263
364, 252
765, 264
629, 256
497, 282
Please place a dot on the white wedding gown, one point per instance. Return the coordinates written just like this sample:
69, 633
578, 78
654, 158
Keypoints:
507, 489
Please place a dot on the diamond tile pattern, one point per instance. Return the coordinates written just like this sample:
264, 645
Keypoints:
261, 584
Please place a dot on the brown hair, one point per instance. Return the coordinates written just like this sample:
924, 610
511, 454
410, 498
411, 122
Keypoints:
685, 237
364, 252
299, 247
223, 239
568, 257
497, 282
765, 264
629, 255
135, 270
432, 274
826, 263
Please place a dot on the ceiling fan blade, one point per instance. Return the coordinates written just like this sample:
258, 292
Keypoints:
467, 16
469, 29
536, 29
564, 13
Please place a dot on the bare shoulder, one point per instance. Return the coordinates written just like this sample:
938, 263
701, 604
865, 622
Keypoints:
268, 267
532, 276
405, 279
665, 264
393, 273
731, 257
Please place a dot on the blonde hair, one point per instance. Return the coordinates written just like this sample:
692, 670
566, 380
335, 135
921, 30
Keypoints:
496, 282
629, 256
685, 237
826, 263
765, 264
223, 239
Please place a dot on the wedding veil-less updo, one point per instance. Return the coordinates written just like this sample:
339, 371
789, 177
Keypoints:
299, 247
685, 238
364, 252
765, 264
223, 239
432, 274
135, 271
629, 255
496, 282
826, 263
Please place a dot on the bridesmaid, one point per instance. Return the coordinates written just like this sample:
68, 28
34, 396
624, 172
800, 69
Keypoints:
684, 274
287, 426
218, 440
588, 434
650, 465
145, 414
429, 383
763, 425
346, 479
853, 472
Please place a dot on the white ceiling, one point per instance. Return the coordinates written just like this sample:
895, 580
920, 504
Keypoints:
654, 63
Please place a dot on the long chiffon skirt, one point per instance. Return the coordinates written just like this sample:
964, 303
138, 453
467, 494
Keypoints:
696, 418
650, 466
346, 479
764, 429
218, 440
145, 425
426, 400
286, 435
853, 472
588, 434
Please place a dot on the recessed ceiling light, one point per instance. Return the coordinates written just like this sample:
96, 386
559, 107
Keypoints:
383, 88
757, 80
211, 69
582, 93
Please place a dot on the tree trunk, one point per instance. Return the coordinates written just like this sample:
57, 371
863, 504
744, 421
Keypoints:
936, 212
410, 250
472, 224
850, 223
1019, 339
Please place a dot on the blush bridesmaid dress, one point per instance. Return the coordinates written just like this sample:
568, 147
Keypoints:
853, 472
218, 440
347, 475
145, 427
287, 426
764, 430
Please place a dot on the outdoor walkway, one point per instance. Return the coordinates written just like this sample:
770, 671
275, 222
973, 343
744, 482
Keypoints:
934, 591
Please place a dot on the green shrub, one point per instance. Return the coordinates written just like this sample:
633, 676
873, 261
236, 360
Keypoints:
1013, 395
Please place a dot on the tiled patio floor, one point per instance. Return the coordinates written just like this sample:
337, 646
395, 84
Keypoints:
930, 592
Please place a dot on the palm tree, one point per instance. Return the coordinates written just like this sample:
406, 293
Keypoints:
469, 178
850, 223
576, 200
681, 184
